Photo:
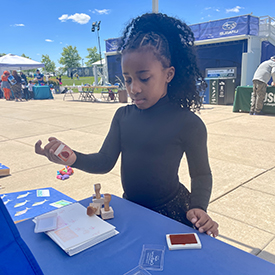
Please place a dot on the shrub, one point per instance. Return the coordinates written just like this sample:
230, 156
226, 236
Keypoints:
52, 81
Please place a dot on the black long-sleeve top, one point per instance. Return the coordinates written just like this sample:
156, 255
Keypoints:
152, 143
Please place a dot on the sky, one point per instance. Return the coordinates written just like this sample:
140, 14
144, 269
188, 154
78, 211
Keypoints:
37, 28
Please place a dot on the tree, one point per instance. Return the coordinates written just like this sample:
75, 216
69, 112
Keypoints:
70, 58
93, 56
23, 55
49, 65
2, 54
60, 71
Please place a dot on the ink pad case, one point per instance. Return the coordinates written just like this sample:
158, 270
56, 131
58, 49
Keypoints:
183, 241
45, 223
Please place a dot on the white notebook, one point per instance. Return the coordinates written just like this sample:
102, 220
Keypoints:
76, 231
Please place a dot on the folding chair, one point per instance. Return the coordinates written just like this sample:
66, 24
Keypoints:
90, 94
109, 95
82, 93
68, 92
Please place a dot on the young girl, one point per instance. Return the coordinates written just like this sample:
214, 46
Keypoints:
160, 72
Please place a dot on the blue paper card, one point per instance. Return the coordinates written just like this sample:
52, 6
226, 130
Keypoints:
29, 204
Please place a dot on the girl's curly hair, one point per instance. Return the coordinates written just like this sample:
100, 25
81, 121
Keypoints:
173, 44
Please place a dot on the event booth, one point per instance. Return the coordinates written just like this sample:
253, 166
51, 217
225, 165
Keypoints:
15, 62
241, 42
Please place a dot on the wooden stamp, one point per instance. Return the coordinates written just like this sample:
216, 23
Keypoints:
107, 211
63, 152
93, 208
4, 170
97, 197
97, 190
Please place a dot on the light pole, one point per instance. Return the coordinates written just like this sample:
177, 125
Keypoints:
155, 6
82, 61
97, 25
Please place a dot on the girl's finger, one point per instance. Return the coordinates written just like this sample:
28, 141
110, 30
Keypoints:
38, 149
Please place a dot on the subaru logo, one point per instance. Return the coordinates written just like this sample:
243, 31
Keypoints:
230, 25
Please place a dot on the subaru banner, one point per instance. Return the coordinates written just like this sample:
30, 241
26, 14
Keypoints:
112, 44
242, 25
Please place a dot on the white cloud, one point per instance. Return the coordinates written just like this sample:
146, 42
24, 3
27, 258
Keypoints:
236, 9
212, 8
64, 17
18, 25
104, 11
60, 42
80, 18
48, 40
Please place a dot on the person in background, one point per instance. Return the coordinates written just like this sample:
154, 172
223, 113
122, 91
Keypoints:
77, 76
25, 91
1, 91
264, 72
47, 78
30, 89
17, 87
39, 77
59, 80
5, 85
23, 76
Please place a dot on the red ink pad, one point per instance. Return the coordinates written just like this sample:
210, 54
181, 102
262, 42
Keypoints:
183, 241
63, 152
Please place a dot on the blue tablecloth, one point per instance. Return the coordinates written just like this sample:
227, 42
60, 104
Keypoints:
138, 226
42, 92
15, 255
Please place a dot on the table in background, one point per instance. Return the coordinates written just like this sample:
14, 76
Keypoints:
242, 101
86, 92
137, 226
42, 92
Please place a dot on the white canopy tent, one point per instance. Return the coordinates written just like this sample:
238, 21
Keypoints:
15, 62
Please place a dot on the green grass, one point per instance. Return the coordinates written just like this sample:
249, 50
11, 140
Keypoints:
68, 81
82, 80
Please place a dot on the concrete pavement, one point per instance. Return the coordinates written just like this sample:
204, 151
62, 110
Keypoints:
241, 152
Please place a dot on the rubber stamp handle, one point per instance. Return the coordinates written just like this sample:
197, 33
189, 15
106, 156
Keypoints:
97, 190
107, 199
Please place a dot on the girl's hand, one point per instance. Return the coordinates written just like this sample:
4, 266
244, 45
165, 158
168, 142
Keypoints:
49, 150
203, 222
